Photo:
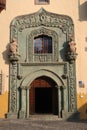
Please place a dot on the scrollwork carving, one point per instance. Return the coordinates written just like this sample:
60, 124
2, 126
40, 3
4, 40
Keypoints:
45, 18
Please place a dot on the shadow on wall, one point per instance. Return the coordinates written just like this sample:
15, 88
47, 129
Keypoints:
5, 54
82, 11
81, 114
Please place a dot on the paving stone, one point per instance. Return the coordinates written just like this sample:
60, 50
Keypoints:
17, 124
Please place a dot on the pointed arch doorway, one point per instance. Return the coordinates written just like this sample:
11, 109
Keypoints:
43, 96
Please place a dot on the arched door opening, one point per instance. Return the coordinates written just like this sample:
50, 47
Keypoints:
43, 96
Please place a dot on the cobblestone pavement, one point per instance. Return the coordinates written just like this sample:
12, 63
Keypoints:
17, 124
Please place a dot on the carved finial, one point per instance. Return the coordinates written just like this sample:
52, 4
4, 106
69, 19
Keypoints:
42, 10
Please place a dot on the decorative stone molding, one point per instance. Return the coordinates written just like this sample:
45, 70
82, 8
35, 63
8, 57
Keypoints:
53, 57
72, 89
28, 79
43, 18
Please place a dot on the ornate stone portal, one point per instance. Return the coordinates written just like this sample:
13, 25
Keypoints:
26, 66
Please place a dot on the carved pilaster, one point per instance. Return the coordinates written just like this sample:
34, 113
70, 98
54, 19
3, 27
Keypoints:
72, 89
13, 88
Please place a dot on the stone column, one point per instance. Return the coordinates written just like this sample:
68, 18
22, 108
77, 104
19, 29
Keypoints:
65, 102
59, 102
22, 113
27, 102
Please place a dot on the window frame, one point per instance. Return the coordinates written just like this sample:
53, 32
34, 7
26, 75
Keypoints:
37, 2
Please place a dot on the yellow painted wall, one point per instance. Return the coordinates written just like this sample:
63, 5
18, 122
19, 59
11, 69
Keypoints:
82, 105
3, 104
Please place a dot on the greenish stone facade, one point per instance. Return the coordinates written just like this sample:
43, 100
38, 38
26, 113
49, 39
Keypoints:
25, 66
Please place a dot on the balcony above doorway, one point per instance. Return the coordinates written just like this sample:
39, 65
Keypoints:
2, 5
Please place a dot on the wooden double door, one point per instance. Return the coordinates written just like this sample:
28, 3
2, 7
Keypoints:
43, 96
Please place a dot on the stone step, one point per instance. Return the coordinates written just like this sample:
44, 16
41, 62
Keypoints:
44, 117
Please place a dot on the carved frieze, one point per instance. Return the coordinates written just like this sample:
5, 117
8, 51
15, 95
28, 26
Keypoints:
44, 18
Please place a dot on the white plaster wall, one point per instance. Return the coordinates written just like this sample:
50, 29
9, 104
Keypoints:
67, 7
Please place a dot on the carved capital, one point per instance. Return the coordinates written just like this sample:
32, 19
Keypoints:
14, 58
71, 56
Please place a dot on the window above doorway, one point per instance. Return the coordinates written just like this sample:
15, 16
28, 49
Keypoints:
42, 2
42, 44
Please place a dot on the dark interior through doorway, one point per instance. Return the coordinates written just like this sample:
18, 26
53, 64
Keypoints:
43, 100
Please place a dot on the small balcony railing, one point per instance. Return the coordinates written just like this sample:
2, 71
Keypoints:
2, 5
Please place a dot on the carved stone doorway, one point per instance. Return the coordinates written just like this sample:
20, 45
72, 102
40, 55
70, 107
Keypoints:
27, 66
43, 96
